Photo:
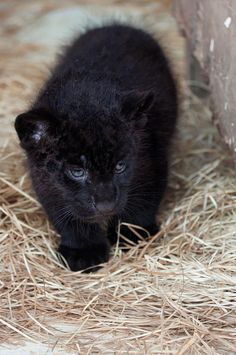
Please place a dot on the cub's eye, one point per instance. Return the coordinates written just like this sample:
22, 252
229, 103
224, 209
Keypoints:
120, 167
75, 173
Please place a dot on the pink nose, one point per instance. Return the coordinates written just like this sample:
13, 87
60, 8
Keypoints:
105, 206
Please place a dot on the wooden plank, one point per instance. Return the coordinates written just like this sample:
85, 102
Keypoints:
210, 27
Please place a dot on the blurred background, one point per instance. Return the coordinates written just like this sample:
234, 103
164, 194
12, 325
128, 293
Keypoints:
34, 32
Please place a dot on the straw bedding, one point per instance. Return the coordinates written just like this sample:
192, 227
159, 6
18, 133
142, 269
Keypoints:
171, 294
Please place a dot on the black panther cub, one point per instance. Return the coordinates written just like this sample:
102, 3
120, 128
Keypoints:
97, 139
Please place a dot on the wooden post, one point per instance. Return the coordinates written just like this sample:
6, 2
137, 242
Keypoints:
210, 28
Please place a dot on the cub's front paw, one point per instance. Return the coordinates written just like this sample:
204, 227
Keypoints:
86, 259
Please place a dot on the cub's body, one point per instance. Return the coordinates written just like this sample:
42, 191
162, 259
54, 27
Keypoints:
97, 139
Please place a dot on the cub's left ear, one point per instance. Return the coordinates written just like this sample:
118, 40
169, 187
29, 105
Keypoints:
31, 128
136, 105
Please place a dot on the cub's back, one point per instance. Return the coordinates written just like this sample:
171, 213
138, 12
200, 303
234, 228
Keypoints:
123, 53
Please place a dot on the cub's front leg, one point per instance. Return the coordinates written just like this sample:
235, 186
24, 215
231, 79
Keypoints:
84, 246
139, 218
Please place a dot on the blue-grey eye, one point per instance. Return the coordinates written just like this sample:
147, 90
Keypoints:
76, 173
120, 167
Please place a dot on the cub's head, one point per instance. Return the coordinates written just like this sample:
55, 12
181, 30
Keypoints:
84, 159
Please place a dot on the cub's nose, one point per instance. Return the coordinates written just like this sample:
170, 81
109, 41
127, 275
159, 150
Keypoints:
105, 206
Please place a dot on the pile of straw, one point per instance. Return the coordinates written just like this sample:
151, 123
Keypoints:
174, 293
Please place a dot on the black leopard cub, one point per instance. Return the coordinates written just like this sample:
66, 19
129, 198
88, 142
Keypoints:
97, 140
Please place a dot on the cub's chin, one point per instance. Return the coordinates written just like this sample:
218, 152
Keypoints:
99, 218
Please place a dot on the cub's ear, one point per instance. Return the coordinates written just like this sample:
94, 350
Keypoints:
32, 127
136, 105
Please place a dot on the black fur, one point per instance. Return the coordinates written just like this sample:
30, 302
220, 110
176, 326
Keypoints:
97, 139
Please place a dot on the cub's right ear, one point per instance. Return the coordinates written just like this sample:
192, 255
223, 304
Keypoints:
32, 127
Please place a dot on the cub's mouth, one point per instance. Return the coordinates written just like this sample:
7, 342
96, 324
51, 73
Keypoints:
94, 218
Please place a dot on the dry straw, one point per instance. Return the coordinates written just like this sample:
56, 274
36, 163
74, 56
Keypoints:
173, 293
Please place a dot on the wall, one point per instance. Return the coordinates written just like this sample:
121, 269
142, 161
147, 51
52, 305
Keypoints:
210, 27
